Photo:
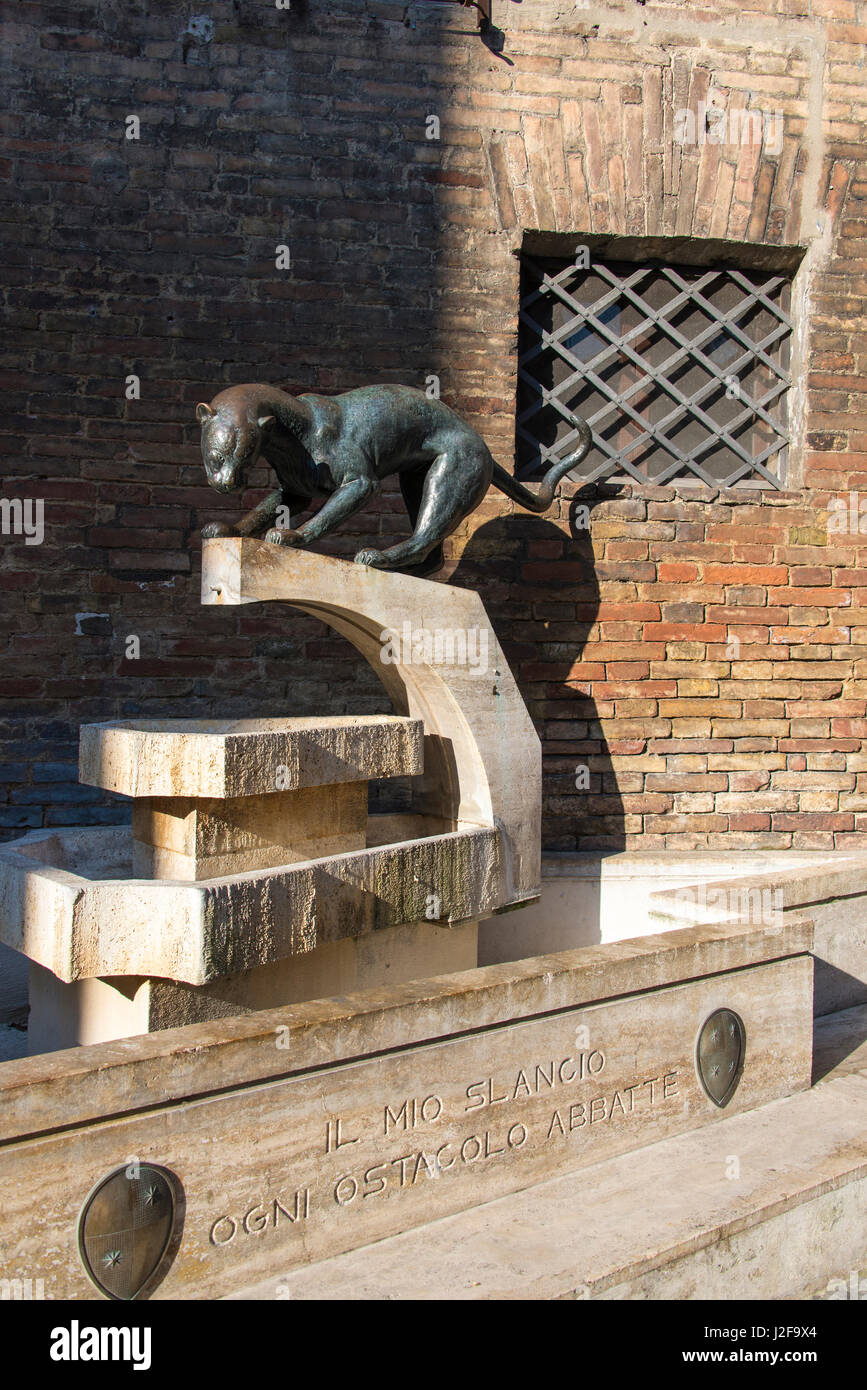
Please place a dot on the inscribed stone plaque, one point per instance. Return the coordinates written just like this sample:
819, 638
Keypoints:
288, 1171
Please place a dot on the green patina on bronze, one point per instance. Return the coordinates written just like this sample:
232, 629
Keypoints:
342, 447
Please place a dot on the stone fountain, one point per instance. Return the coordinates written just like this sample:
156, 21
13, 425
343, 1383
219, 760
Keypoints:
252, 874
347, 1074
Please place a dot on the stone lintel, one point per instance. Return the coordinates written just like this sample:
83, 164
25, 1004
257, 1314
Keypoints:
246, 757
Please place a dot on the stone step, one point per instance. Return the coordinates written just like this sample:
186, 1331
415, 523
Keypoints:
770, 1203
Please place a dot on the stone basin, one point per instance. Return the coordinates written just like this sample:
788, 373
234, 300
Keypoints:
250, 843
92, 921
252, 873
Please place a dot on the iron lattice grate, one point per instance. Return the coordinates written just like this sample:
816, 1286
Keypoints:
681, 372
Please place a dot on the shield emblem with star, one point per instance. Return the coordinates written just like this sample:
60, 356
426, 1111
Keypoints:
125, 1229
720, 1055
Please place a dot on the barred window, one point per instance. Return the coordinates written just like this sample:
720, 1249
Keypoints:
681, 371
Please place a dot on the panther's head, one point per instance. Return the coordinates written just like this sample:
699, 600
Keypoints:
230, 445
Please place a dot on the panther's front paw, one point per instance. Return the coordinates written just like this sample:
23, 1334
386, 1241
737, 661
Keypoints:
374, 558
279, 535
215, 529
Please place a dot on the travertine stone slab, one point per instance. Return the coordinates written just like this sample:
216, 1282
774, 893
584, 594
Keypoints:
831, 891
330, 1159
200, 930
87, 1012
793, 1218
186, 838
246, 757
93, 1083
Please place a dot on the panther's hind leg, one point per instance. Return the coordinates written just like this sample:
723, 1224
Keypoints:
431, 564
412, 487
453, 486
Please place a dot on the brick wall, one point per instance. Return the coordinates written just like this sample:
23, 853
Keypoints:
307, 127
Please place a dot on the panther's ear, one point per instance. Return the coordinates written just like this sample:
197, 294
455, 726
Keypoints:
265, 422
204, 412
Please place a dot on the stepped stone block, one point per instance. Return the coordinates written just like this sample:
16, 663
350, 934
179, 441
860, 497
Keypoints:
246, 757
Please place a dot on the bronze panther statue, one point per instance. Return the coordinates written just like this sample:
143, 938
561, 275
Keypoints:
341, 447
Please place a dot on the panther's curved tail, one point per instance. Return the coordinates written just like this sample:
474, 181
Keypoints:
540, 501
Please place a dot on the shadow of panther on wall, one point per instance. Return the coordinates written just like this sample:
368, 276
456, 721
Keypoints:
541, 591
